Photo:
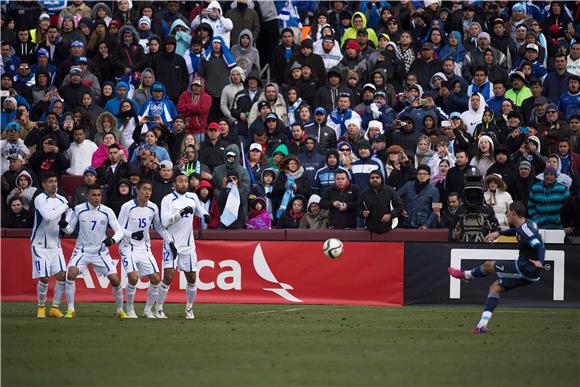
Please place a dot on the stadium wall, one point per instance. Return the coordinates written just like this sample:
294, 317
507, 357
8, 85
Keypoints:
288, 267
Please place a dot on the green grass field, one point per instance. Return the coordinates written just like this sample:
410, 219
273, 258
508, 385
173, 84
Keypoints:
272, 345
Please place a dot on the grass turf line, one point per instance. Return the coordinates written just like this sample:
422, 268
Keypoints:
314, 345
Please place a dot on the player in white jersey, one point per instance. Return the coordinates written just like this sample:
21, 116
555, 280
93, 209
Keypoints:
92, 247
136, 217
177, 209
47, 255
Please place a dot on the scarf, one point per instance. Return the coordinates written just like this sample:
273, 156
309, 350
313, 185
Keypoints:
492, 201
291, 109
340, 119
207, 206
287, 196
230, 214
194, 58
420, 186
227, 55
192, 167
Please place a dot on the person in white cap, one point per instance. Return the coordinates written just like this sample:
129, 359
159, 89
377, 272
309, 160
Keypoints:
476, 57
531, 56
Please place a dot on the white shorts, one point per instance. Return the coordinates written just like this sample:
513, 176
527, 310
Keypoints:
47, 262
102, 263
186, 260
142, 262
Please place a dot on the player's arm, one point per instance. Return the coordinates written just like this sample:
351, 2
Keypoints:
71, 220
168, 217
114, 224
159, 227
492, 236
541, 251
41, 205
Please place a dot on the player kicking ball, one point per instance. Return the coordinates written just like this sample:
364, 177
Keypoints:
177, 210
47, 255
136, 217
526, 270
91, 249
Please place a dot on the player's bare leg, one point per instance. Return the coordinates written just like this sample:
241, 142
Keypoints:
70, 289
190, 294
152, 293
117, 294
168, 275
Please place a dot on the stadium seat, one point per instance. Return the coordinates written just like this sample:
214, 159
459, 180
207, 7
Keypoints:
69, 183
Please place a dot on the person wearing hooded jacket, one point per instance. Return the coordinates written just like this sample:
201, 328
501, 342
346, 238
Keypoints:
237, 77
359, 21
327, 96
418, 196
246, 55
292, 217
159, 105
271, 94
121, 92
170, 69
474, 115
182, 33
244, 17
195, 105
129, 52
379, 204
315, 218
310, 158
213, 15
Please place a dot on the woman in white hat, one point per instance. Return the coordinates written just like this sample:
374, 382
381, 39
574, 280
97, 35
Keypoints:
497, 197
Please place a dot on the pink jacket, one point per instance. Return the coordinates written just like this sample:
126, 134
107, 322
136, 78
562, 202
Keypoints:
102, 154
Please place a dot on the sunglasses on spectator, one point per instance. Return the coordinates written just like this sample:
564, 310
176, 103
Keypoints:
344, 149
551, 112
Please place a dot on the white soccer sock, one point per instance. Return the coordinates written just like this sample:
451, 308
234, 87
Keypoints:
58, 292
151, 296
468, 274
41, 290
163, 289
485, 316
118, 295
191, 291
130, 292
69, 289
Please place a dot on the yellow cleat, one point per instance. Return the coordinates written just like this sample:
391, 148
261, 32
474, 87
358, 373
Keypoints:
55, 312
121, 315
70, 313
41, 312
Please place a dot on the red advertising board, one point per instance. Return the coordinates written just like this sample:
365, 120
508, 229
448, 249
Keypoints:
245, 272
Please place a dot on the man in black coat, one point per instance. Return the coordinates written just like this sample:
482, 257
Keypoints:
341, 200
211, 152
279, 62
171, 70
455, 180
112, 171
327, 96
379, 204
425, 66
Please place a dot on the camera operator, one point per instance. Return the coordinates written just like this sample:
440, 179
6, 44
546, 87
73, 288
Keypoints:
474, 219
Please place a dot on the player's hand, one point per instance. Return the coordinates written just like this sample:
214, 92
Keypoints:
109, 242
207, 218
63, 223
186, 210
137, 235
537, 264
173, 249
492, 236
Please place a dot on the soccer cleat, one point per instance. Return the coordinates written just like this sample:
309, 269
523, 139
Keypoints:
479, 330
55, 312
70, 313
131, 313
41, 312
457, 273
160, 314
121, 315
148, 314
189, 314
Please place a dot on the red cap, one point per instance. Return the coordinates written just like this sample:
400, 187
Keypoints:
213, 125
352, 44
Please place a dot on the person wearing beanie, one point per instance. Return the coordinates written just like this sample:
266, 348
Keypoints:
546, 200
324, 177
327, 96
307, 57
366, 163
315, 218
380, 205
554, 161
354, 61
419, 196
475, 57
522, 184
484, 155
503, 165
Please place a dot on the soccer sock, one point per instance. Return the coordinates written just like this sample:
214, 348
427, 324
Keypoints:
151, 296
478, 272
58, 292
130, 292
163, 289
69, 290
118, 295
490, 305
41, 290
190, 293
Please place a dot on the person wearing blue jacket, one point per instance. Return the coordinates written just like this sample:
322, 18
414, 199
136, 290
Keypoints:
159, 106
121, 93
419, 196
569, 103
362, 168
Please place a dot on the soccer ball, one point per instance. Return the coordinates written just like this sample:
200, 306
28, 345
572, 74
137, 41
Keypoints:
333, 248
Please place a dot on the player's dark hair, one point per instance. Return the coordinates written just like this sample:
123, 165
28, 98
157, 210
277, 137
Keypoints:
93, 187
141, 183
48, 175
519, 208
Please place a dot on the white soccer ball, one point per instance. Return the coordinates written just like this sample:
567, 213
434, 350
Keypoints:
333, 248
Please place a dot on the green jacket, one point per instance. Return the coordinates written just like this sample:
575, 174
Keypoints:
518, 97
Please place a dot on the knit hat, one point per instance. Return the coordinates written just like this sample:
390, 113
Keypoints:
307, 43
145, 20
75, 70
424, 167
483, 35
320, 110
364, 144
375, 124
42, 52
90, 170
395, 149
352, 44
525, 164
550, 171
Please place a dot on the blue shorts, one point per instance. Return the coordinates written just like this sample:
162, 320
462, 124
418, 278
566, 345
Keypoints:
512, 274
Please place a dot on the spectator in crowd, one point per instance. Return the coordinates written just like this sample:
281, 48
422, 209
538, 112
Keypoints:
48, 157
282, 54
100, 156
379, 205
162, 182
89, 179
569, 103
290, 181
230, 199
341, 200
556, 82
170, 69
12, 146
554, 161
80, 152
418, 196
244, 17
444, 217
519, 91
112, 171
205, 193
16, 216
246, 55
522, 184
293, 214
275, 101
546, 200
120, 196
497, 197
315, 218
24, 189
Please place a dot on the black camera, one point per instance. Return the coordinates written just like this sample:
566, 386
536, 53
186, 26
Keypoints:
473, 190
